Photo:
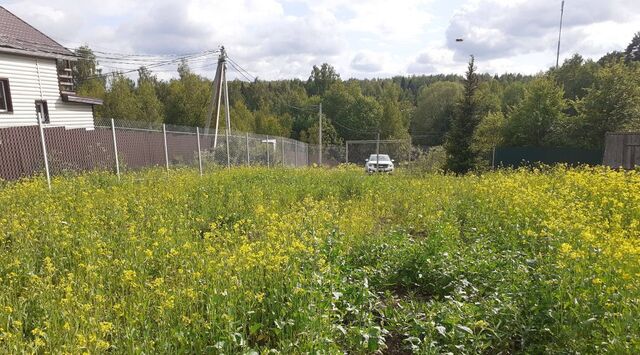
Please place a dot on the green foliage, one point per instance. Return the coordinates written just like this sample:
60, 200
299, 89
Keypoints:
512, 95
151, 109
598, 97
243, 119
434, 114
612, 104
321, 79
632, 53
531, 120
85, 67
460, 156
354, 115
188, 98
329, 133
489, 133
489, 97
576, 76
121, 101
433, 160
268, 123
393, 123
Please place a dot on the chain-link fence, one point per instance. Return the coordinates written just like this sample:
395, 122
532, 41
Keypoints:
123, 146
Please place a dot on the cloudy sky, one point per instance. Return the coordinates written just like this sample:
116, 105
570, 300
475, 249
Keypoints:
375, 38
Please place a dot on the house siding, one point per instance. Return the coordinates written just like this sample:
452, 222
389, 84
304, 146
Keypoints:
32, 79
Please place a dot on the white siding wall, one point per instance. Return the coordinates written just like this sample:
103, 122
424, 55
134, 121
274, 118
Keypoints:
25, 84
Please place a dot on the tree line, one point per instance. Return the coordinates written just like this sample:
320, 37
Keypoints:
573, 105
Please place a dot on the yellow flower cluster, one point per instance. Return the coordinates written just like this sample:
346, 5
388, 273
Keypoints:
251, 259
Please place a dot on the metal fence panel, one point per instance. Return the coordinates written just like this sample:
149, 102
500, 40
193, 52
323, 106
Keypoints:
138, 145
524, 156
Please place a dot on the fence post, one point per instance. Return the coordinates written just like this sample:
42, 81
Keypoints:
44, 150
296, 152
493, 158
247, 136
268, 162
199, 153
115, 148
282, 142
226, 137
346, 158
377, 152
166, 150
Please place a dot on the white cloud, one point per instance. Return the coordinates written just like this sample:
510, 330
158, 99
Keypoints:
434, 60
361, 38
368, 62
494, 29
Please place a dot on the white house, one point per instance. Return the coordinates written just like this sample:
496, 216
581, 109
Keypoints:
36, 77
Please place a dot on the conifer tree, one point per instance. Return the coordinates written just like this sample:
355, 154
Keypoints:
460, 156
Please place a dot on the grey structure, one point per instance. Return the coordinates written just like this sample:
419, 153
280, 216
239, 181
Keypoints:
622, 150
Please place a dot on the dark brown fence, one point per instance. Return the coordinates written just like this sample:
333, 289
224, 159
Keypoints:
21, 153
68, 150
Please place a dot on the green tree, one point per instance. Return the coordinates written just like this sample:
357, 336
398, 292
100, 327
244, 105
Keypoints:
512, 95
120, 101
95, 88
460, 156
436, 108
85, 67
321, 79
361, 120
187, 99
489, 97
632, 53
613, 104
489, 133
531, 120
575, 75
150, 107
268, 123
329, 134
241, 118
611, 57
394, 124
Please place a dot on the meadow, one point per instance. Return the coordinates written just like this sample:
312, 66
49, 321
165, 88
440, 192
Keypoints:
256, 260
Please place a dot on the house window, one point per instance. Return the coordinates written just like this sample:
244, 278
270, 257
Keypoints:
42, 110
5, 97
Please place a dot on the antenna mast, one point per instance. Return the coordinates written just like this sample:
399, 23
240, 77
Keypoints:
560, 34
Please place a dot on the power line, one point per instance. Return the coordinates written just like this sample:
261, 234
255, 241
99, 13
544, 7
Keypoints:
240, 72
159, 64
353, 129
241, 68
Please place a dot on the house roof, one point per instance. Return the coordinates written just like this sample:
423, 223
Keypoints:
17, 36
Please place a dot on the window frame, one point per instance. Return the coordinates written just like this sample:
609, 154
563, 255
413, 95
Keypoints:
45, 107
7, 96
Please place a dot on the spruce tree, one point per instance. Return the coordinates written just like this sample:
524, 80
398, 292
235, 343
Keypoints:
460, 156
632, 54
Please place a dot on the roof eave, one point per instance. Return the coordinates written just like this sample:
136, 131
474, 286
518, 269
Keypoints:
37, 54
81, 99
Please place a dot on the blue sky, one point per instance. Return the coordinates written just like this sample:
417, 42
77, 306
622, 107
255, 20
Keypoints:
276, 39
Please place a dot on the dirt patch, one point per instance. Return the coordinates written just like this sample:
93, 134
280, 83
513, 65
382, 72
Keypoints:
396, 345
